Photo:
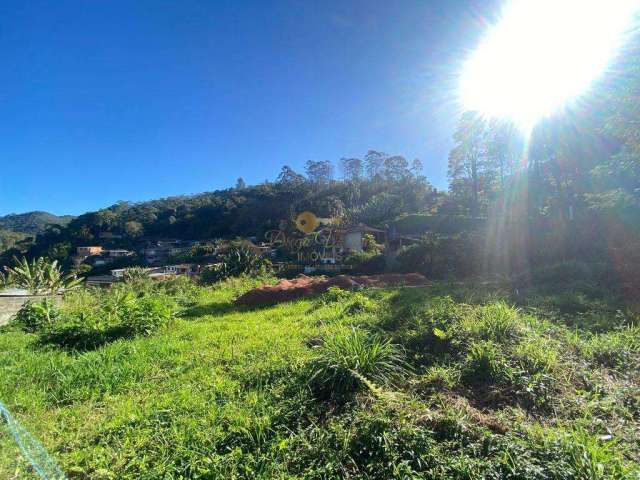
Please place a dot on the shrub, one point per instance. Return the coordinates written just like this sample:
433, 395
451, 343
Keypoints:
87, 322
573, 271
147, 314
134, 275
440, 257
334, 294
359, 303
366, 263
183, 289
34, 316
341, 360
419, 257
355, 302
235, 262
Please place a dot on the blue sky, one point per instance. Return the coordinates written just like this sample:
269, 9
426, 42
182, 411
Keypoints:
113, 100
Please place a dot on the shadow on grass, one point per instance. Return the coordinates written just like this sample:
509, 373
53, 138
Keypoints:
82, 340
220, 308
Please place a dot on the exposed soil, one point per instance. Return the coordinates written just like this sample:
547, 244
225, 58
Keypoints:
304, 286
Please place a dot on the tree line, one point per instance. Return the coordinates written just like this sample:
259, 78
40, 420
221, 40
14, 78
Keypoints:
374, 189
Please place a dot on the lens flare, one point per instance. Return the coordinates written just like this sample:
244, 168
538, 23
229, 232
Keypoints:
541, 54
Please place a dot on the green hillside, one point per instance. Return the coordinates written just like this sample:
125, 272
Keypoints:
32, 223
445, 382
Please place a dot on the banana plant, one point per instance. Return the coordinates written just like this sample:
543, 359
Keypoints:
5, 280
40, 276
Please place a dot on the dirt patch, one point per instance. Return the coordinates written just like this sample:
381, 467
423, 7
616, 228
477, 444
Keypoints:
304, 286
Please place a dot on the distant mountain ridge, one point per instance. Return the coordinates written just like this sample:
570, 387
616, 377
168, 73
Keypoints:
32, 223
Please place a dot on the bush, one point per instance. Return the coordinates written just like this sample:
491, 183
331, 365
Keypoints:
419, 257
235, 262
334, 294
354, 302
439, 257
34, 316
342, 362
147, 314
366, 263
87, 320
133, 275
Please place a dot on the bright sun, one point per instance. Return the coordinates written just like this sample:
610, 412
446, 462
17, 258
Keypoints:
541, 54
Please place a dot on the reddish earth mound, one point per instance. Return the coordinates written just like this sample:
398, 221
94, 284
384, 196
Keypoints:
304, 286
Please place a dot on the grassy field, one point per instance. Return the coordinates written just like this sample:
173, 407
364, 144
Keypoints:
441, 382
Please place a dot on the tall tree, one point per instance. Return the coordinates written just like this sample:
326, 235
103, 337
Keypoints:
351, 169
417, 167
288, 176
503, 149
396, 168
240, 184
320, 172
466, 160
374, 163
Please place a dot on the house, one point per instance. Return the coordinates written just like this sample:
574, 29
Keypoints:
100, 280
118, 273
88, 251
182, 269
187, 269
158, 254
117, 253
353, 237
158, 251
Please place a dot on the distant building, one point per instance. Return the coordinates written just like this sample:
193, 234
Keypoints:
353, 237
182, 269
88, 251
160, 250
187, 269
117, 253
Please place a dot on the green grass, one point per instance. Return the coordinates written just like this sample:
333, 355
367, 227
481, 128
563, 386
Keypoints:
442, 382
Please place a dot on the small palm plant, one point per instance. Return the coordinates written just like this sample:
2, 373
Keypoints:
40, 276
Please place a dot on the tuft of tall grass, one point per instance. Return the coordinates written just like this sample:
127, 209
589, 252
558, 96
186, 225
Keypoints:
343, 358
486, 361
496, 321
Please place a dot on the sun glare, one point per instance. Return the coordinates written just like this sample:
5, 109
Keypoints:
541, 54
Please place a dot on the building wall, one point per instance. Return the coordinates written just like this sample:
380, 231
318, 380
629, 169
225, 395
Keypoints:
89, 250
353, 241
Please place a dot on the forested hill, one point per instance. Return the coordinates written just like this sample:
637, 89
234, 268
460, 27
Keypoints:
371, 190
32, 223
